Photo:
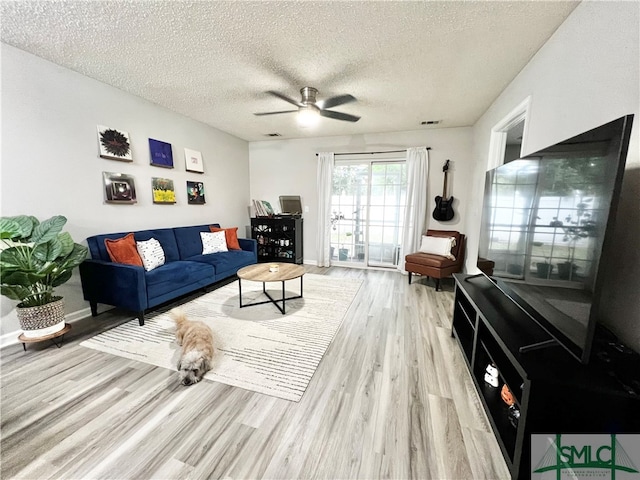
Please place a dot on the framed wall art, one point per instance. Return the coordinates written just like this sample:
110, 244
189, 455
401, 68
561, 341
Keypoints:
193, 161
114, 144
163, 191
161, 154
195, 193
119, 188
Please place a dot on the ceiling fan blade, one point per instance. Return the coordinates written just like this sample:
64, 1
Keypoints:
285, 98
274, 113
339, 116
339, 100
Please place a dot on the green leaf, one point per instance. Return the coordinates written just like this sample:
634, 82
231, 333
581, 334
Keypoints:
48, 229
14, 257
66, 242
14, 292
48, 252
47, 268
21, 278
60, 279
76, 257
16, 227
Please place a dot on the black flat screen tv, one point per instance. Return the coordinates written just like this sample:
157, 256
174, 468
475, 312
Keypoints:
547, 224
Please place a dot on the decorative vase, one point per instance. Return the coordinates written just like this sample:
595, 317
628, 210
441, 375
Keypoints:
41, 320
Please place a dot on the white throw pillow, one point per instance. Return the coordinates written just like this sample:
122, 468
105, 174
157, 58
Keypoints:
213, 242
151, 253
438, 246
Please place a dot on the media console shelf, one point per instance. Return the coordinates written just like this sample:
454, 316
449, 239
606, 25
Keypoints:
553, 392
279, 238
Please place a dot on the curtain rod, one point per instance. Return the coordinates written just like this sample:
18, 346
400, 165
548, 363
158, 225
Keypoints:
372, 153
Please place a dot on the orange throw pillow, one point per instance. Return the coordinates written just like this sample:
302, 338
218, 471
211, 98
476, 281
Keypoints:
123, 250
231, 234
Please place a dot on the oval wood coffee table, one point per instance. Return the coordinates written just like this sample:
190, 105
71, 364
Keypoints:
260, 272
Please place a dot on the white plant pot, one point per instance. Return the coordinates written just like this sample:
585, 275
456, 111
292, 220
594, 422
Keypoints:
42, 320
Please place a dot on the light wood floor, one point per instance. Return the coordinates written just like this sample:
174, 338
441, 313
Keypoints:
392, 398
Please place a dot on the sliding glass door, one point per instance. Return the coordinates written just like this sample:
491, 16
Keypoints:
368, 203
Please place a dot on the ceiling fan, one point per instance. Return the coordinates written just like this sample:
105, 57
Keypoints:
309, 109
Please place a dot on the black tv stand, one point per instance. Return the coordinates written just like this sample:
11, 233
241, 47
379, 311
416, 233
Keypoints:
553, 392
552, 342
476, 275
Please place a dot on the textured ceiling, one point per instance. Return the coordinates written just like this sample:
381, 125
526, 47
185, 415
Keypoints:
404, 61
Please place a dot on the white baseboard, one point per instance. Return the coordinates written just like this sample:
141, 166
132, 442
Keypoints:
11, 338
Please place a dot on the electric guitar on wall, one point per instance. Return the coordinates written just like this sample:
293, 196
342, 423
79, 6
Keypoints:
444, 206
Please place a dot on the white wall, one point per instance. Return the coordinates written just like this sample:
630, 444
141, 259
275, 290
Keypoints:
288, 167
50, 162
586, 75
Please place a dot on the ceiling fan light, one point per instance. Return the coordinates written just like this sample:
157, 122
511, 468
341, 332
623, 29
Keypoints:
308, 116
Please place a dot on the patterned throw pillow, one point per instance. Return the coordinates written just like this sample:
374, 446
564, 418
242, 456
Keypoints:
213, 242
151, 253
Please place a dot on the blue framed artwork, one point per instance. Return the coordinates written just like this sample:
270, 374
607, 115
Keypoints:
161, 155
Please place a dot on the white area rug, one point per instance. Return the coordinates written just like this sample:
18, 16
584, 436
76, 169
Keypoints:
257, 347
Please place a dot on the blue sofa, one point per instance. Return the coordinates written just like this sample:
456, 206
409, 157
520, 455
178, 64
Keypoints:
185, 270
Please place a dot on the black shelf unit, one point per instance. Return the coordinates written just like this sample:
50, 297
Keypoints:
553, 391
279, 239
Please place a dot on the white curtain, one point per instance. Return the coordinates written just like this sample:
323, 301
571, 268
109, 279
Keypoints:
416, 211
325, 185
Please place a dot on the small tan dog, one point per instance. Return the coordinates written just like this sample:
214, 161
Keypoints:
196, 340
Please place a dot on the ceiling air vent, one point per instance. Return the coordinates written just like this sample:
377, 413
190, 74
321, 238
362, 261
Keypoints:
272, 135
430, 122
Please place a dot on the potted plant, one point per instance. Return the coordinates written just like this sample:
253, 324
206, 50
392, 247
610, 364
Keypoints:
35, 258
574, 230
335, 218
543, 269
343, 252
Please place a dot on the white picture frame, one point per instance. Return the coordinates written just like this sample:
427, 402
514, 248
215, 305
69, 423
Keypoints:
193, 161
114, 144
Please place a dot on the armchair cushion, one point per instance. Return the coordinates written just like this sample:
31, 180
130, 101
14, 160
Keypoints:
438, 266
430, 260
438, 246
458, 248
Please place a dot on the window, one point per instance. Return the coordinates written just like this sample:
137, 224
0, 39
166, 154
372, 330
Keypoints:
367, 206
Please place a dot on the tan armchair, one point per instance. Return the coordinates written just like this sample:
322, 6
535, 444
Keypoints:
437, 266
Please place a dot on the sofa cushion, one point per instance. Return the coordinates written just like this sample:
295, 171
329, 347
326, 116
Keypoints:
123, 250
166, 238
231, 235
175, 275
224, 262
189, 241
